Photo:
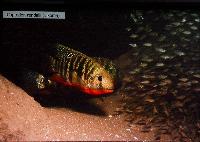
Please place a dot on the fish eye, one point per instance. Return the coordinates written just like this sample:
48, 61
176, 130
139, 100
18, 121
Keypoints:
100, 78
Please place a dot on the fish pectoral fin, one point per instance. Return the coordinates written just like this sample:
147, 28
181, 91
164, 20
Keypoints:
74, 77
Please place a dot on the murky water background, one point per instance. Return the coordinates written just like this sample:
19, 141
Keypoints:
159, 58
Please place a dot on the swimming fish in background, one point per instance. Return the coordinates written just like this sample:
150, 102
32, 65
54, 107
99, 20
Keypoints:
71, 68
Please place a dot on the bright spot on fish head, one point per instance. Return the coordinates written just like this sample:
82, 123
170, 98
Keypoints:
101, 83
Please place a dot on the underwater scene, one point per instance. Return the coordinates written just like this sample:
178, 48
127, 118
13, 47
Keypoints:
113, 74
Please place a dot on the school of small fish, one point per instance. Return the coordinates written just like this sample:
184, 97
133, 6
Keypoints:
161, 87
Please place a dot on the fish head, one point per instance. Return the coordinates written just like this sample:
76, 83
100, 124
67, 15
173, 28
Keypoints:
100, 83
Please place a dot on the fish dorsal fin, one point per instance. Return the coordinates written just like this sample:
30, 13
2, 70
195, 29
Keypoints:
66, 52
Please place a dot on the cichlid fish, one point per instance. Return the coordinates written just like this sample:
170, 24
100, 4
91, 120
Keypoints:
71, 68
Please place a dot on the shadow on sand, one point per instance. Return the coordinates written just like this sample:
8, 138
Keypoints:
74, 101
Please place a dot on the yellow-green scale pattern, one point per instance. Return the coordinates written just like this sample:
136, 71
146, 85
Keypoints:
72, 65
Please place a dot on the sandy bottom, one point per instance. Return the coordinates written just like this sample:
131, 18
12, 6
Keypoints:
23, 118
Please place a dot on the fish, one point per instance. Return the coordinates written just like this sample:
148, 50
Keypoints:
72, 69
